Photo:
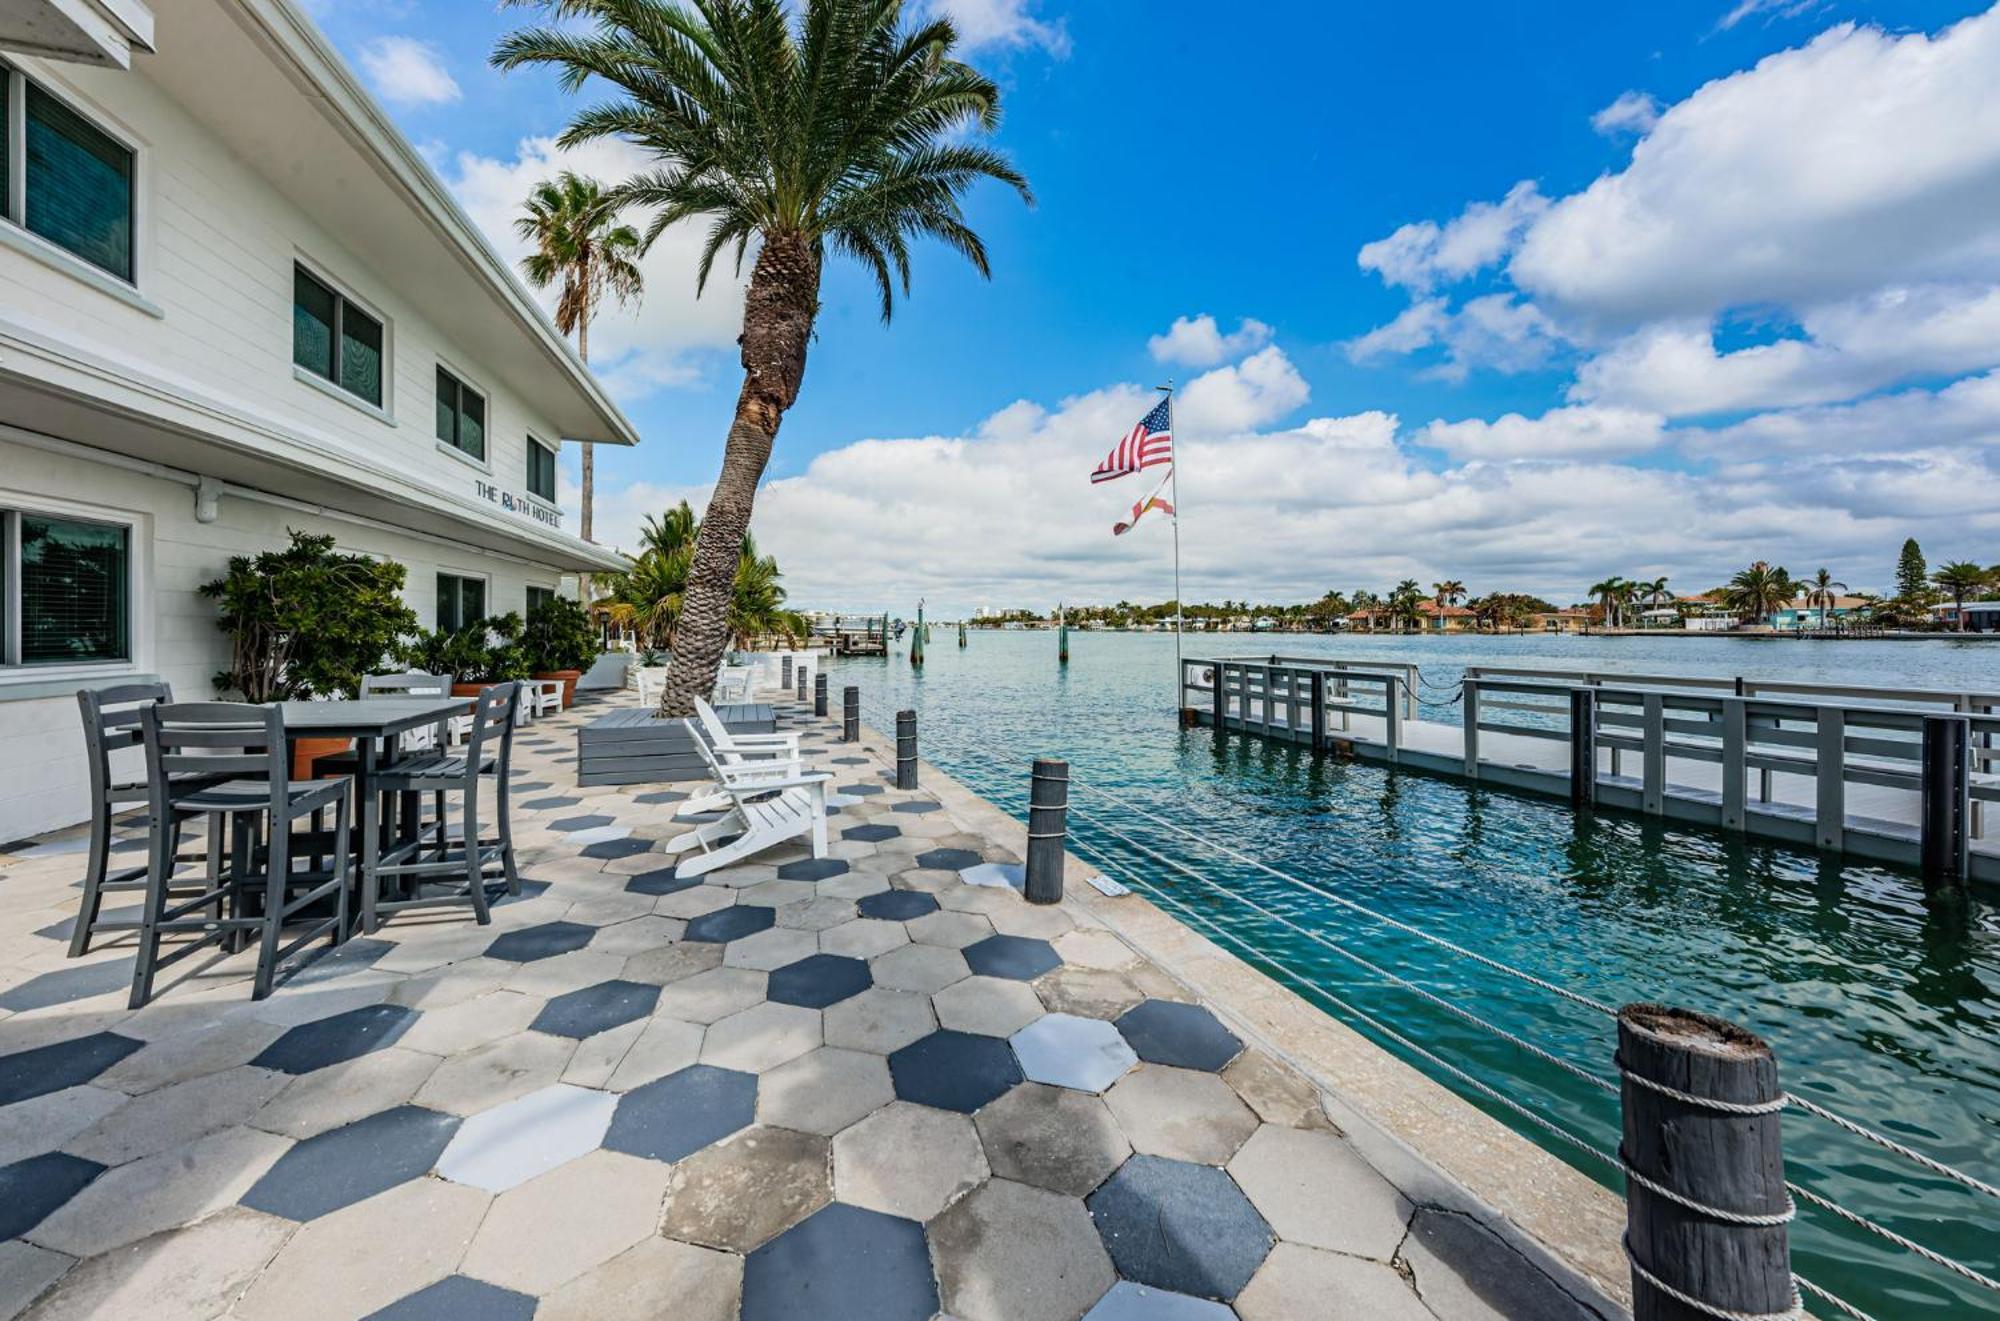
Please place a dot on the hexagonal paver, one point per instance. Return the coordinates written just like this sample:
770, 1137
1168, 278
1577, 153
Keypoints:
761, 1037
559, 1224
589, 821
607, 849
770, 949
30, 1073
708, 997
824, 1090
459, 1298
725, 924
657, 1277
863, 938
862, 789
996, 875
812, 869
819, 981
1019, 957
512, 1143
1009, 1251
954, 1070
897, 905
68, 985
842, 1261
658, 796
870, 834
659, 881
1181, 1113
1183, 1035
990, 1006
917, 807
1053, 1138
546, 941
33, 1189
1295, 1280
949, 859
1086, 1054
925, 968
673, 1117
339, 1037
748, 1189
548, 804
908, 1160
344, 1165
596, 1009
879, 1020
1180, 1226
1313, 1188
1128, 1301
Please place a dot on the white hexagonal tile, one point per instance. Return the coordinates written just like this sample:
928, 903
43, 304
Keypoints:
1086, 1054
513, 1143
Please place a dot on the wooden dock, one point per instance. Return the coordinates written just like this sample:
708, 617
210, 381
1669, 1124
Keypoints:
855, 635
1885, 775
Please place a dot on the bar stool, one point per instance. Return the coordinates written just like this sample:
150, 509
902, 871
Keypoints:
111, 725
488, 754
243, 765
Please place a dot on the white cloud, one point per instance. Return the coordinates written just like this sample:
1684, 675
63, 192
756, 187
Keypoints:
1199, 342
1632, 112
1769, 8
662, 341
1497, 331
1002, 23
1420, 255
1574, 432
1253, 393
1417, 326
408, 72
1965, 414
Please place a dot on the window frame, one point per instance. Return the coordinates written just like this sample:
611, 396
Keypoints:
484, 459
537, 444
528, 602
461, 576
313, 271
14, 669
14, 231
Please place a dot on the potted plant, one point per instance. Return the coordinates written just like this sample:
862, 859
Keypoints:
483, 653
559, 643
308, 622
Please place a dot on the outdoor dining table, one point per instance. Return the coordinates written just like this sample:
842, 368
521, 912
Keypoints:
376, 724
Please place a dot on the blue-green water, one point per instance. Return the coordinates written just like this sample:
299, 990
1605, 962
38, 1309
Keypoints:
1880, 1005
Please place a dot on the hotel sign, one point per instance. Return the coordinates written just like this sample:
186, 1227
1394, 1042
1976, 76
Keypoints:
522, 506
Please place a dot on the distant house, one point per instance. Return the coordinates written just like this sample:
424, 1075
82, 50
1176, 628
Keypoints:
1576, 619
1841, 610
1980, 616
1431, 618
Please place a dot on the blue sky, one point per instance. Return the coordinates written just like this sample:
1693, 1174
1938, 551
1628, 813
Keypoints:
1187, 166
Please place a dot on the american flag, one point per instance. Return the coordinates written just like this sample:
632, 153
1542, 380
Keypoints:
1147, 445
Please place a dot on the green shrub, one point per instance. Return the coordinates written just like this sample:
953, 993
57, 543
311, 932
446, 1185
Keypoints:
484, 651
308, 621
558, 636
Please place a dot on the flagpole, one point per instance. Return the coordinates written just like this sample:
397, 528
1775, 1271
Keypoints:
1180, 606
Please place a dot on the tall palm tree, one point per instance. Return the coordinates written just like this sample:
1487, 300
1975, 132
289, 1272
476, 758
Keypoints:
1403, 603
1449, 592
1960, 578
581, 247
1609, 592
799, 126
1822, 591
1759, 590
651, 596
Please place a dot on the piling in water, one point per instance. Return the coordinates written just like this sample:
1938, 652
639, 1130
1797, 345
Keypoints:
1048, 825
850, 715
1945, 805
906, 749
819, 693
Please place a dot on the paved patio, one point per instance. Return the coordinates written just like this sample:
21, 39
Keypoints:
876, 1086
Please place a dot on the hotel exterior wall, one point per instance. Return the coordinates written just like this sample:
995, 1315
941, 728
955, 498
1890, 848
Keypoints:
174, 636
216, 245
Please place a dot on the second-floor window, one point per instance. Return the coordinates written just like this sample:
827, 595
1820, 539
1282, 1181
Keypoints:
541, 470
461, 415
64, 179
335, 340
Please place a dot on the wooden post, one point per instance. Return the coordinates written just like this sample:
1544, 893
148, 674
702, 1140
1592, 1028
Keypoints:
1218, 699
1735, 770
1830, 778
785, 670
1943, 815
906, 749
1653, 755
1701, 1106
1048, 824
850, 714
819, 693
1317, 695
1583, 747
1392, 715
801, 673
1470, 691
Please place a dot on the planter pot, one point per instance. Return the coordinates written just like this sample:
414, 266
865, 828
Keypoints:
306, 751
569, 678
469, 689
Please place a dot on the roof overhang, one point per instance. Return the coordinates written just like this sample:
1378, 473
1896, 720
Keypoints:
259, 75
104, 32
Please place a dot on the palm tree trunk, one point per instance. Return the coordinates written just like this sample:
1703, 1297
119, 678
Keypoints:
778, 315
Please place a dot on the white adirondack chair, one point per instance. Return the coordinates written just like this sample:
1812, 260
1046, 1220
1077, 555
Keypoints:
748, 756
542, 697
763, 811
733, 684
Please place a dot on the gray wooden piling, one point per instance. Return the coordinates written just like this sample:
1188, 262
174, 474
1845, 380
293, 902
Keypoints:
802, 681
1706, 1210
850, 714
1317, 687
1944, 810
785, 670
1583, 747
1048, 825
819, 693
906, 749
1218, 699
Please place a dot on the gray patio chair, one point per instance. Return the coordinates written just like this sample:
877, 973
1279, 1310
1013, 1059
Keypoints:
240, 764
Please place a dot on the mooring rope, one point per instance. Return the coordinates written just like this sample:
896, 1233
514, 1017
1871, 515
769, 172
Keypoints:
1792, 1313
1801, 1282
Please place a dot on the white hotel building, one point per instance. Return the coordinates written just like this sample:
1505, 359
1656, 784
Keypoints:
235, 301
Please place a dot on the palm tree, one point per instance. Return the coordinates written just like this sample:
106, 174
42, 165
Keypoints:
803, 125
651, 596
1449, 592
1759, 590
1822, 591
1610, 592
1960, 578
581, 247
1403, 603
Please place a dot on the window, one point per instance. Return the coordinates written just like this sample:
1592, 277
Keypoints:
539, 597
335, 340
461, 601
541, 470
65, 590
461, 415
63, 178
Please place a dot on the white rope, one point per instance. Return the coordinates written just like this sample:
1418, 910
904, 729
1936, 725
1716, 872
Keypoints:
1890, 1144
1792, 1313
1860, 1221
1770, 1107
1760, 1220
1801, 1282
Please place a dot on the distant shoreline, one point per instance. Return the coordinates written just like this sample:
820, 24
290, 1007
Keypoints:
1774, 636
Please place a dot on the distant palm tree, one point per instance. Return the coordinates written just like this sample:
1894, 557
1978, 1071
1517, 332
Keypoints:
1404, 602
1822, 591
1961, 579
1449, 592
651, 596
1759, 590
580, 247
1611, 593
790, 126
